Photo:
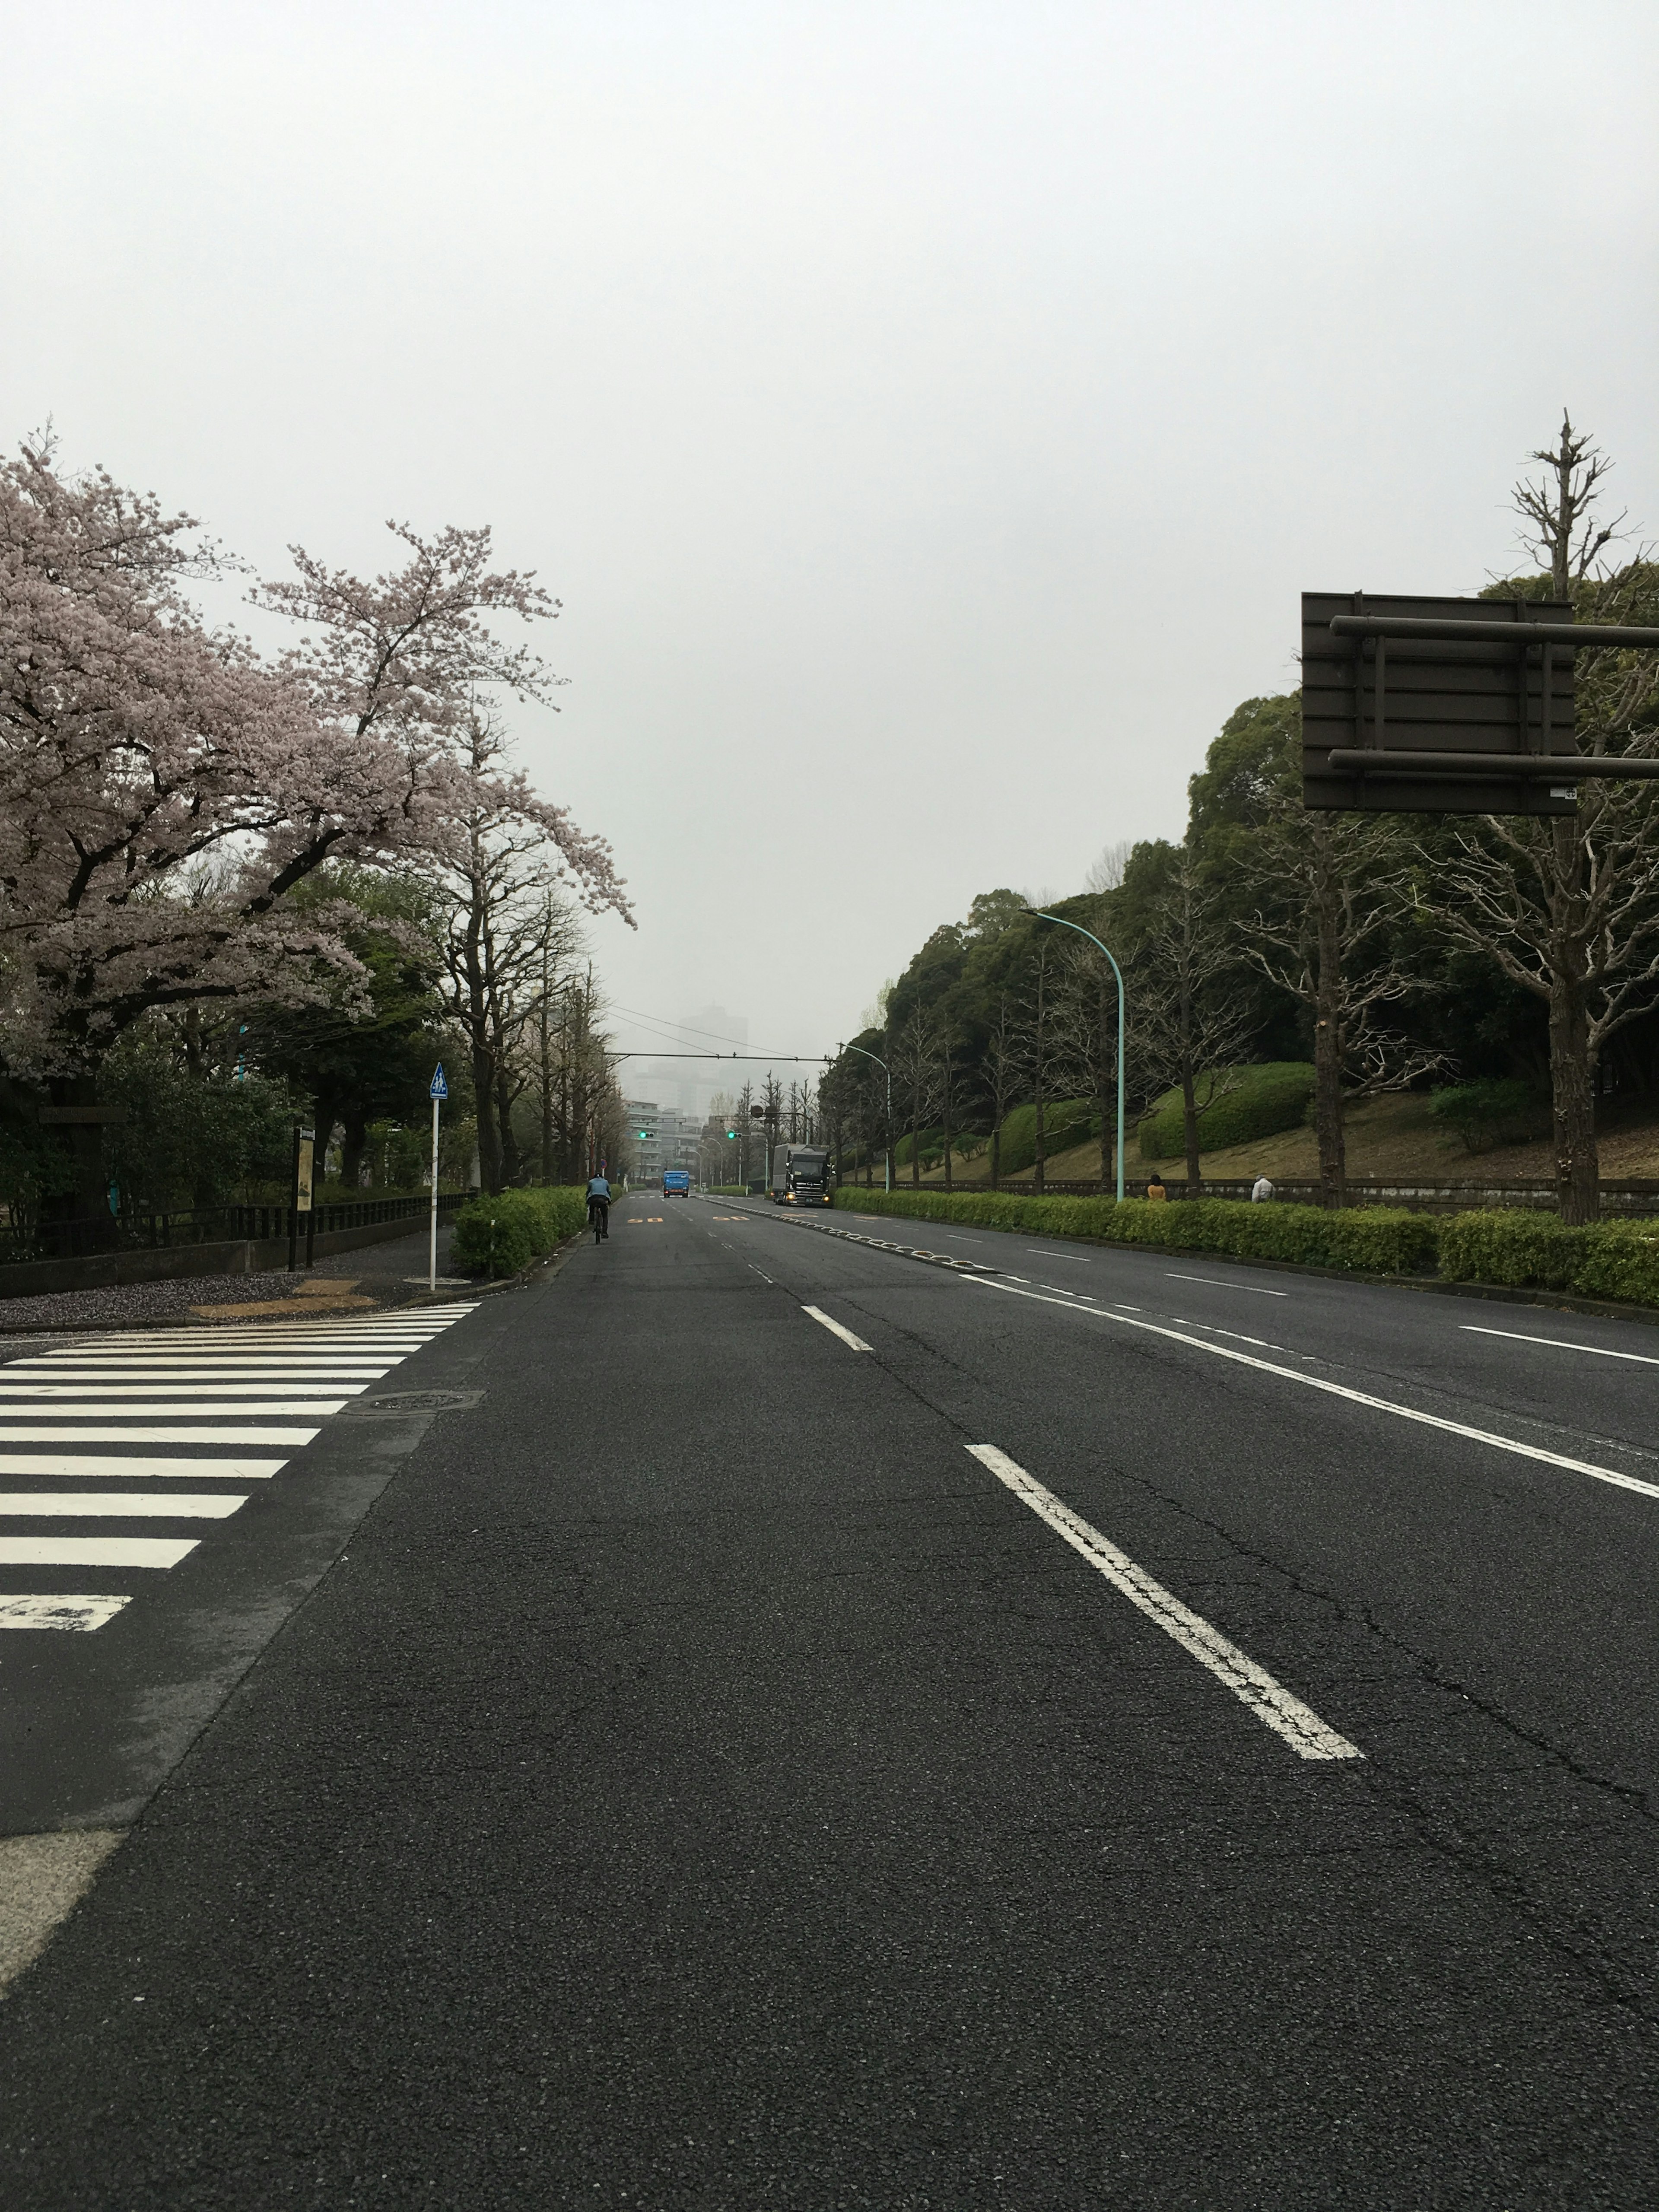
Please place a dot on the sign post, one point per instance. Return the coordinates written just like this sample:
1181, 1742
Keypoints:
439, 1092
305, 1146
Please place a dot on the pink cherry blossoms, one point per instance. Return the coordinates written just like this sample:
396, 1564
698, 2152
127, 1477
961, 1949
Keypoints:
162, 788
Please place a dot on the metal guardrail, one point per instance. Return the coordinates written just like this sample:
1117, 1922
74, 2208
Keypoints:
207, 1225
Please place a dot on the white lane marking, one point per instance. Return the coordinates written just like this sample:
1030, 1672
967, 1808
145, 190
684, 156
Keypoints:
1082, 1259
1251, 1290
144, 1393
42, 1610
1268, 1700
835, 1329
200, 1372
120, 1506
1341, 1390
1559, 1343
96, 1550
1261, 1343
762, 1272
36, 1434
79, 1407
109, 1467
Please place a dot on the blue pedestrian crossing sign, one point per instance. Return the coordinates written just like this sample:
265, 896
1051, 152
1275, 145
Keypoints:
440, 1088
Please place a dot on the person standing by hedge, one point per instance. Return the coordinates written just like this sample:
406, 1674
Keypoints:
598, 1202
1260, 1191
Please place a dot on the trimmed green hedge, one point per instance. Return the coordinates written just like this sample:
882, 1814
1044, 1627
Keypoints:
1515, 1247
1534, 1251
498, 1235
1066, 1123
1382, 1237
1269, 1098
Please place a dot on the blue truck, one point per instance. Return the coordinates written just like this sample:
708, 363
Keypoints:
676, 1182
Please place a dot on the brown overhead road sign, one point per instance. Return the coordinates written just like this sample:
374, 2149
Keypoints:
1446, 705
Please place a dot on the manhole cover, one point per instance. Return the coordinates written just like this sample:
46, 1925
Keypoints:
419, 1401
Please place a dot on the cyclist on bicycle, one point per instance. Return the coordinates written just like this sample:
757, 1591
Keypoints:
598, 1207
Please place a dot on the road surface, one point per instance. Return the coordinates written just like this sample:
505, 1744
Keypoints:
815, 1726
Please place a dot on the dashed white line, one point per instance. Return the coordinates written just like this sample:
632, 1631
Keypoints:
1082, 1259
835, 1329
1339, 1390
1308, 1735
1215, 1282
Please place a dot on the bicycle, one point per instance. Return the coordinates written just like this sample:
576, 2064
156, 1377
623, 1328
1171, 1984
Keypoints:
600, 1214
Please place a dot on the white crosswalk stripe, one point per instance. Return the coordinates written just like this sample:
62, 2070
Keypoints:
216, 1391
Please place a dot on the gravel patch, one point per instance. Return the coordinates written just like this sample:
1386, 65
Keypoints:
379, 1269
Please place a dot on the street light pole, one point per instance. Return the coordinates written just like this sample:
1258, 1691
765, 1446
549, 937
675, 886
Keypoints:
1041, 917
887, 1149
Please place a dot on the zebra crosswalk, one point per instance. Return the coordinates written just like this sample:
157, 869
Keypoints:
90, 1413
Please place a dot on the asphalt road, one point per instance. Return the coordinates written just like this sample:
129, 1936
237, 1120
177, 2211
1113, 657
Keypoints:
1137, 1732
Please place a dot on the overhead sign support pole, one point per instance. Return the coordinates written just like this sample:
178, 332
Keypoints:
439, 1092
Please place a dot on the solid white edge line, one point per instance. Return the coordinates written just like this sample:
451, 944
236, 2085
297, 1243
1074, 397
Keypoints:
1341, 1390
1299, 1726
1559, 1343
835, 1329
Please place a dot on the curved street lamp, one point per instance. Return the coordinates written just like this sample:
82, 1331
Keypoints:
1041, 917
887, 1149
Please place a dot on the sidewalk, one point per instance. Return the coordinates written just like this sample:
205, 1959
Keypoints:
380, 1271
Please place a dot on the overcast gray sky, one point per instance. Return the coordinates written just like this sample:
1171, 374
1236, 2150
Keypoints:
927, 414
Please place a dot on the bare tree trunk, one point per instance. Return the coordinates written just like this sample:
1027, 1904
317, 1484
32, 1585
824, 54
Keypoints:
1327, 1027
1189, 1123
351, 1150
996, 1145
511, 1163
1572, 1068
490, 1151
948, 1070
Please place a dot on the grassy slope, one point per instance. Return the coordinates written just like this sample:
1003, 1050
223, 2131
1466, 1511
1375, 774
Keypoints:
1388, 1138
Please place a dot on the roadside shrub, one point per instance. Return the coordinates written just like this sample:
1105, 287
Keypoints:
1066, 1123
1621, 1261
1493, 1111
1380, 1239
1264, 1100
1511, 1246
498, 1235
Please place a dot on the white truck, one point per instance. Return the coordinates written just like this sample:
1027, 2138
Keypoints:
800, 1176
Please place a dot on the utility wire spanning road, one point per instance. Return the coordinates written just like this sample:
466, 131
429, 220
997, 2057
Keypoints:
1033, 1727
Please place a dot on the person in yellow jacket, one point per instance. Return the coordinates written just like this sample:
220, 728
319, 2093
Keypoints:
1155, 1189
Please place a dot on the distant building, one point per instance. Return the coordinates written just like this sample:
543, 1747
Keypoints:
661, 1137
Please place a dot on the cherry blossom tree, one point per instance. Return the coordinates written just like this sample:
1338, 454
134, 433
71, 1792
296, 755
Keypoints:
404, 657
160, 789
